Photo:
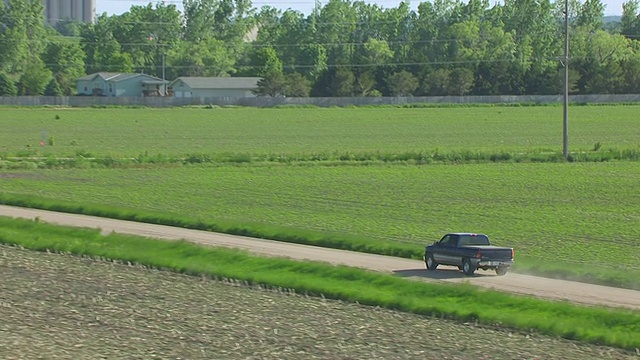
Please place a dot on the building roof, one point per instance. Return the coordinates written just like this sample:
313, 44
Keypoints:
466, 233
219, 82
154, 82
115, 77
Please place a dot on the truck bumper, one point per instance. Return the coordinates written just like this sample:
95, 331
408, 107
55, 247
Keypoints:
495, 263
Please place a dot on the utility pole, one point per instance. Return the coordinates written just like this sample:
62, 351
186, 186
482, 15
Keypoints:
565, 126
164, 84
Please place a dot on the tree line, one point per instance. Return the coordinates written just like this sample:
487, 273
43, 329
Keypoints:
342, 48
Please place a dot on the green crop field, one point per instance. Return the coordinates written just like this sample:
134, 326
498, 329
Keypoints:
576, 219
289, 132
583, 212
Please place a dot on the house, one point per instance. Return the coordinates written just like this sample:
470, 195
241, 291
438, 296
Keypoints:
120, 84
211, 87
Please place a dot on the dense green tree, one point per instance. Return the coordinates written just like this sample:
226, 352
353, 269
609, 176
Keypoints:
292, 36
147, 33
7, 86
601, 68
272, 84
69, 28
269, 26
118, 62
289, 36
322, 85
103, 51
402, 83
465, 45
364, 82
209, 57
632, 76
534, 26
65, 59
422, 38
606, 79
555, 83
34, 79
342, 83
297, 85
591, 15
266, 61
630, 21
92, 39
377, 51
460, 81
335, 25
53, 88
437, 82
396, 27
226, 20
342, 48
316, 61
22, 34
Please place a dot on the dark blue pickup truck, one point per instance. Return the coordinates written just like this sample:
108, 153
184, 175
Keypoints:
468, 252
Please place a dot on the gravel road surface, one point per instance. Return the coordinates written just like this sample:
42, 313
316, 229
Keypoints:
571, 291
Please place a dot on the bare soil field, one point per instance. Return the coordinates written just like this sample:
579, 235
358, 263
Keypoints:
64, 307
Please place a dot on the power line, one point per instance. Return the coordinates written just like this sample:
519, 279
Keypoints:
66, 20
330, 44
307, 66
285, 2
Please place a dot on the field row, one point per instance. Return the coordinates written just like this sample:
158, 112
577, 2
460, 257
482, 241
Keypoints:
287, 132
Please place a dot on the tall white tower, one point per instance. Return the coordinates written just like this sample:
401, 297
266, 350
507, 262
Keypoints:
61, 10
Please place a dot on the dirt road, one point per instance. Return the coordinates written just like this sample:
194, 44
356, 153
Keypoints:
574, 292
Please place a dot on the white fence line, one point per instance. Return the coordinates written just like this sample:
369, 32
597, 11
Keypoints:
87, 101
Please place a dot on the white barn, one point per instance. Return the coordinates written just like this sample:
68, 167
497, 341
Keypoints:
212, 87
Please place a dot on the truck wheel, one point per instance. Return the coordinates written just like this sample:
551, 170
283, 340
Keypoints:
430, 261
467, 267
501, 271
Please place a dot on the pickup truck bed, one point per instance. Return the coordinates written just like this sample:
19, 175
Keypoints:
469, 252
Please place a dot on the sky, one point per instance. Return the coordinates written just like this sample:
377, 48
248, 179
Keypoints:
116, 7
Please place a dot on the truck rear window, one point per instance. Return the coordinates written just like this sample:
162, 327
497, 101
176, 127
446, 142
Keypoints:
467, 240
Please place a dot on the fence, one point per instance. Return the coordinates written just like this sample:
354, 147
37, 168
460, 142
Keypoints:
87, 101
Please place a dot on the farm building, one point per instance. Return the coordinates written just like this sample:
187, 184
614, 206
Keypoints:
120, 84
211, 87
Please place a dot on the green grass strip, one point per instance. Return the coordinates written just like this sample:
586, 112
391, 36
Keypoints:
262, 231
614, 327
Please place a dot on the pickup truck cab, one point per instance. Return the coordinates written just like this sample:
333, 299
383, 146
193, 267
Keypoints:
469, 252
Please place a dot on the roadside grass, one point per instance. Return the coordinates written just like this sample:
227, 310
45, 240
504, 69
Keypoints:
614, 327
256, 230
617, 276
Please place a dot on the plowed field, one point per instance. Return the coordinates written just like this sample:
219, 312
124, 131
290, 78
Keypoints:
58, 306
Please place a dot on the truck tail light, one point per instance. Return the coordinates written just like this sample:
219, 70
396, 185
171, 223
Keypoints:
479, 254
513, 254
